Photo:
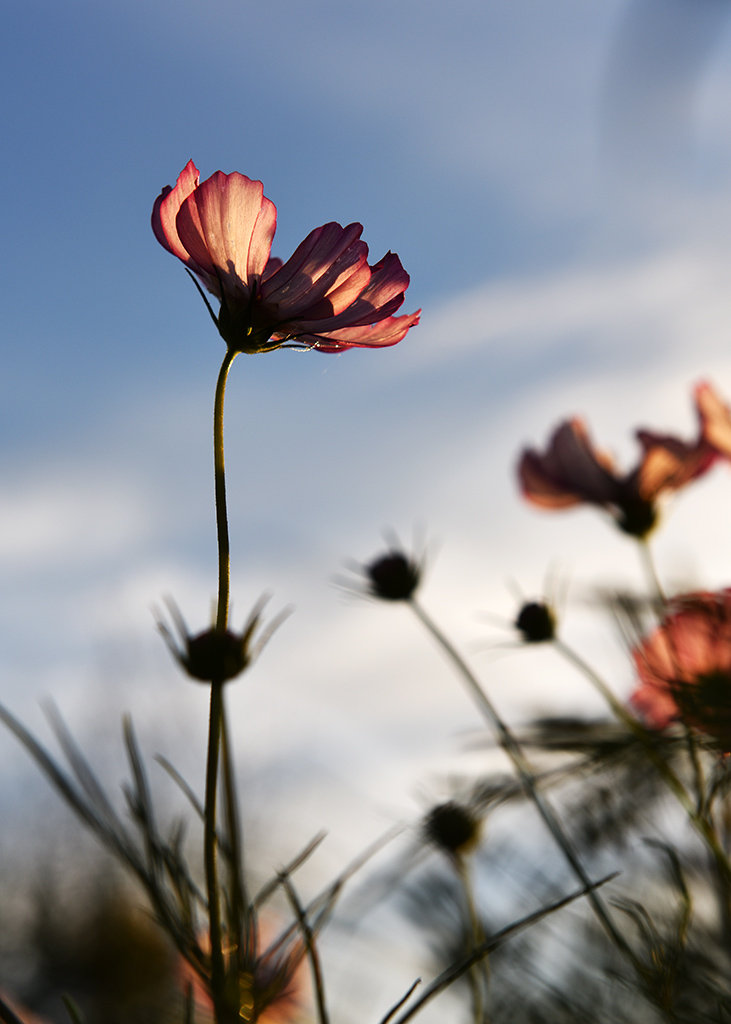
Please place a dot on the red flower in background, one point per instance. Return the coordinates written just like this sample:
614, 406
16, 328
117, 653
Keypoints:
716, 417
326, 296
274, 985
572, 471
684, 667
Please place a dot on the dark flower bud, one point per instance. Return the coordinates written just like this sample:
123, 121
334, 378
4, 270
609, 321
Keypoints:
637, 516
215, 656
452, 827
393, 577
536, 622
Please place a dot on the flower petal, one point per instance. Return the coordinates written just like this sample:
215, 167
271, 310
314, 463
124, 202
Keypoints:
684, 666
227, 226
164, 218
715, 418
381, 298
322, 277
167, 205
380, 335
669, 463
571, 471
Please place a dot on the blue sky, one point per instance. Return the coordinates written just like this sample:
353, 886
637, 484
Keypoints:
562, 205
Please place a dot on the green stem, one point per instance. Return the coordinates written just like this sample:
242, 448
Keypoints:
479, 973
648, 564
215, 726
224, 553
512, 748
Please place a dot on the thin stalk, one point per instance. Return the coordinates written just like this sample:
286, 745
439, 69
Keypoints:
210, 850
523, 768
215, 726
479, 973
308, 938
648, 564
238, 937
224, 553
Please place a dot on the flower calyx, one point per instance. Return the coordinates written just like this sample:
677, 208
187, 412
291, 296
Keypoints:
452, 827
215, 656
536, 622
393, 576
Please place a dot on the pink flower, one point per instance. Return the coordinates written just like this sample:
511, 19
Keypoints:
274, 982
716, 418
685, 667
325, 296
572, 471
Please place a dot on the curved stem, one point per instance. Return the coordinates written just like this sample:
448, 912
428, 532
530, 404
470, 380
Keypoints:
224, 554
218, 966
514, 751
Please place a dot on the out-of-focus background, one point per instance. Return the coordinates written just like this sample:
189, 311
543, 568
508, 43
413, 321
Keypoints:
555, 178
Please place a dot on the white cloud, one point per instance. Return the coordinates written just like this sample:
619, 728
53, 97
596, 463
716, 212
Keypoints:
68, 521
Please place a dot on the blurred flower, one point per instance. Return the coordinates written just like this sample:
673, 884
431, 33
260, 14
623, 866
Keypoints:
716, 417
453, 827
213, 655
572, 471
685, 667
536, 622
22, 1015
325, 296
393, 577
274, 986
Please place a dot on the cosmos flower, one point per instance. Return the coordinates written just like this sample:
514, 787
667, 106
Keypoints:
326, 296
684, 667
572, 471
716, 417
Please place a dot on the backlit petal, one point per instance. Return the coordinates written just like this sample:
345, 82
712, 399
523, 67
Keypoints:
217, 224
380, 335
328, 258
167, 205
715, 418
569, 472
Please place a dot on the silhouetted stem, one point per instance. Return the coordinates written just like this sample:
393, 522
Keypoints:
448, 977
218, 972
238, 910
479, 973
512, 748
308, 938
648, 564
